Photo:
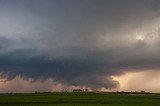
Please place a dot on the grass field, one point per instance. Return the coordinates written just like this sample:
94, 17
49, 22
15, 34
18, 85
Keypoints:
78, 99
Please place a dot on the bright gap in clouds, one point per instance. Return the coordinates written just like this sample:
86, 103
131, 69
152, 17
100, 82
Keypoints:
137, 81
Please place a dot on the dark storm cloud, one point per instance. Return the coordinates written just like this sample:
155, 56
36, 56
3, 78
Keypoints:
71, 71
78, 42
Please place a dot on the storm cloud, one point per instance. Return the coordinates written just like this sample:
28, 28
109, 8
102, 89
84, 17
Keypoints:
78, 42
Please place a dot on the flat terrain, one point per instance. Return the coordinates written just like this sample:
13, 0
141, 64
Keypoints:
79, 99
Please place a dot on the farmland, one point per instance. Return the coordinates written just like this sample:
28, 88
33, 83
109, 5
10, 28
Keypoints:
79, 99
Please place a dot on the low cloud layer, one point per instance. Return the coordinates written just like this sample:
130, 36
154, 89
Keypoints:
137, 81
78, 42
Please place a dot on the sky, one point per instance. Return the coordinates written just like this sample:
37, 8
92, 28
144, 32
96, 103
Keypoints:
49, 45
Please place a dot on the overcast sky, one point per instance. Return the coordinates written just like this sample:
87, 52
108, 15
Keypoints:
77, 43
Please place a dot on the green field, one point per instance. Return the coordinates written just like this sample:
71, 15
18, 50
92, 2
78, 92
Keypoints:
79, 99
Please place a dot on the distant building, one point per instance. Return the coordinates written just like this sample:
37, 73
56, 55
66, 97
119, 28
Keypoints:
86, 90
77, 90
142, 91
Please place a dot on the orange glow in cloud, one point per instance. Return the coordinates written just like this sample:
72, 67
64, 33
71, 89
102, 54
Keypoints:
136, 81
21, 85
